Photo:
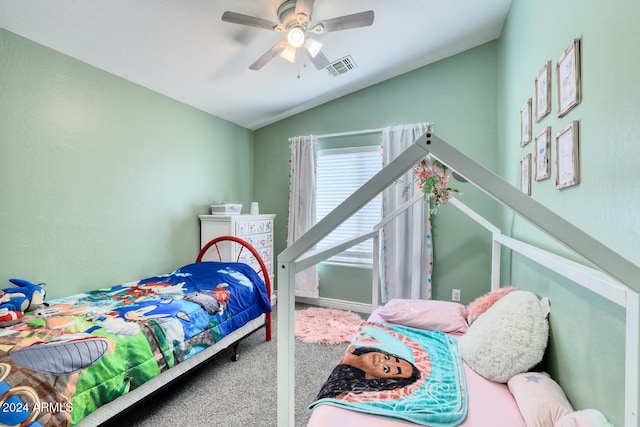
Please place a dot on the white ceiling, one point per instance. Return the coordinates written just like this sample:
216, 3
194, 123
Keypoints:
182, 49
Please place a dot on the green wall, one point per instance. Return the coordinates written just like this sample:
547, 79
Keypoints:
459, 95
605, 203
587, 333
101, 180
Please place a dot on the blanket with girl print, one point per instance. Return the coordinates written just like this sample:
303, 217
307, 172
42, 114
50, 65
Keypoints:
400, 372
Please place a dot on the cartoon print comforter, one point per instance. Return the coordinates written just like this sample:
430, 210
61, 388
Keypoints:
88, 349
400, 372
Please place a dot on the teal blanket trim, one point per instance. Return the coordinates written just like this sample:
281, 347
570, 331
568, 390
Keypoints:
400, 372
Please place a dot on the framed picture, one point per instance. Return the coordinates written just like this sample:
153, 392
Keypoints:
567, 164
568, 78
543, 92
525, 174
542, 154
525, 123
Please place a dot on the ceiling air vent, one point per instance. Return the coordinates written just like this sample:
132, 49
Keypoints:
341, 66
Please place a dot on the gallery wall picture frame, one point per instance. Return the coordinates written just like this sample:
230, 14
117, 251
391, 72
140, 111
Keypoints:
525, 174
567, 156
568, 79
525, 123
543, 92
542, 154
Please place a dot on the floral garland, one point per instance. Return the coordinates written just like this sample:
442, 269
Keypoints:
432, 177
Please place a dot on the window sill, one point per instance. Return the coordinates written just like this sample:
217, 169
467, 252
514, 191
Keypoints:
347, 264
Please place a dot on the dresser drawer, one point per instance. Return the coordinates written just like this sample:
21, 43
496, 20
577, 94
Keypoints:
259, 241
265, 253
246, 228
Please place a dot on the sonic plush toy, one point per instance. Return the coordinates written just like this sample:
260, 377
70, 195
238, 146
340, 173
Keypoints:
14, 302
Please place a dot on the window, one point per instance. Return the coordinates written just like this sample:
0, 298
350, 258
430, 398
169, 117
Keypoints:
341, 172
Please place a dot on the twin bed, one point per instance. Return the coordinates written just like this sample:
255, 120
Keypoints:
89, 357
482, 397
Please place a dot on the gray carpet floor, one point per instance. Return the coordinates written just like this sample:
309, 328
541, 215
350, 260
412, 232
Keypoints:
241, 393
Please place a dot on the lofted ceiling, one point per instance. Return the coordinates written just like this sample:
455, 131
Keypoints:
183, 49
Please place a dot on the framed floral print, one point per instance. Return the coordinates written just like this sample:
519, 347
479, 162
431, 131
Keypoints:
525, 174
525, 123
542, 154
568, 91
567, 164
543, 92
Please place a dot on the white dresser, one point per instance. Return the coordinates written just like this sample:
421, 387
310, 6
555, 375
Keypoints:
255, 229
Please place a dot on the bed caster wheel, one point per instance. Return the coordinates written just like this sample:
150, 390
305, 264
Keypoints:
235, 357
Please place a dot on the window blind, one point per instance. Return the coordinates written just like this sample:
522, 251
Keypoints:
340, 172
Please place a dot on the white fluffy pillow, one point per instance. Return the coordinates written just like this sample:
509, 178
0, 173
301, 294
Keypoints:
509, 338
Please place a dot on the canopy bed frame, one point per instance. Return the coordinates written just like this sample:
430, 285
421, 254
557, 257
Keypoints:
613, 277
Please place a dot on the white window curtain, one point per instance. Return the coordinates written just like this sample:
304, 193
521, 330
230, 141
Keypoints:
302, 205
407, 249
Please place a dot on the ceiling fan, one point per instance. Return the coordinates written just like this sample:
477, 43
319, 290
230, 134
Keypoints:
295, 20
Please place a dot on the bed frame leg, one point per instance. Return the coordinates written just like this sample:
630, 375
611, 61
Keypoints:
267, 325
235, 356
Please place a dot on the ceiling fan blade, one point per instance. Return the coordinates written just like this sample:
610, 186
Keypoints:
304, 7
362, 19
319, 61
269, 55
251, 21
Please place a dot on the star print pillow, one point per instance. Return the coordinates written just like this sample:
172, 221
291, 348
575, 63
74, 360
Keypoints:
540, 399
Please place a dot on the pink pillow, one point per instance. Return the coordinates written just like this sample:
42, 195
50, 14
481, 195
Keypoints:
484, 302
431, 315
540, 399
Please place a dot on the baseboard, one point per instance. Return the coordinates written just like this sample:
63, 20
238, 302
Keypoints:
357, 307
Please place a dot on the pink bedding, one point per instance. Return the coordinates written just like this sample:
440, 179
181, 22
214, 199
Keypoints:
490, 404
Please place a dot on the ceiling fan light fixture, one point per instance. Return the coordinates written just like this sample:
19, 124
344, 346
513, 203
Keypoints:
289, 54
294, 17
295, 37
313, 47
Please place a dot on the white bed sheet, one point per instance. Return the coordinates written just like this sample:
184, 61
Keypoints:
490, 404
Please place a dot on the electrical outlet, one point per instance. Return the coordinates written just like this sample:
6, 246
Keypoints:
455, 295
